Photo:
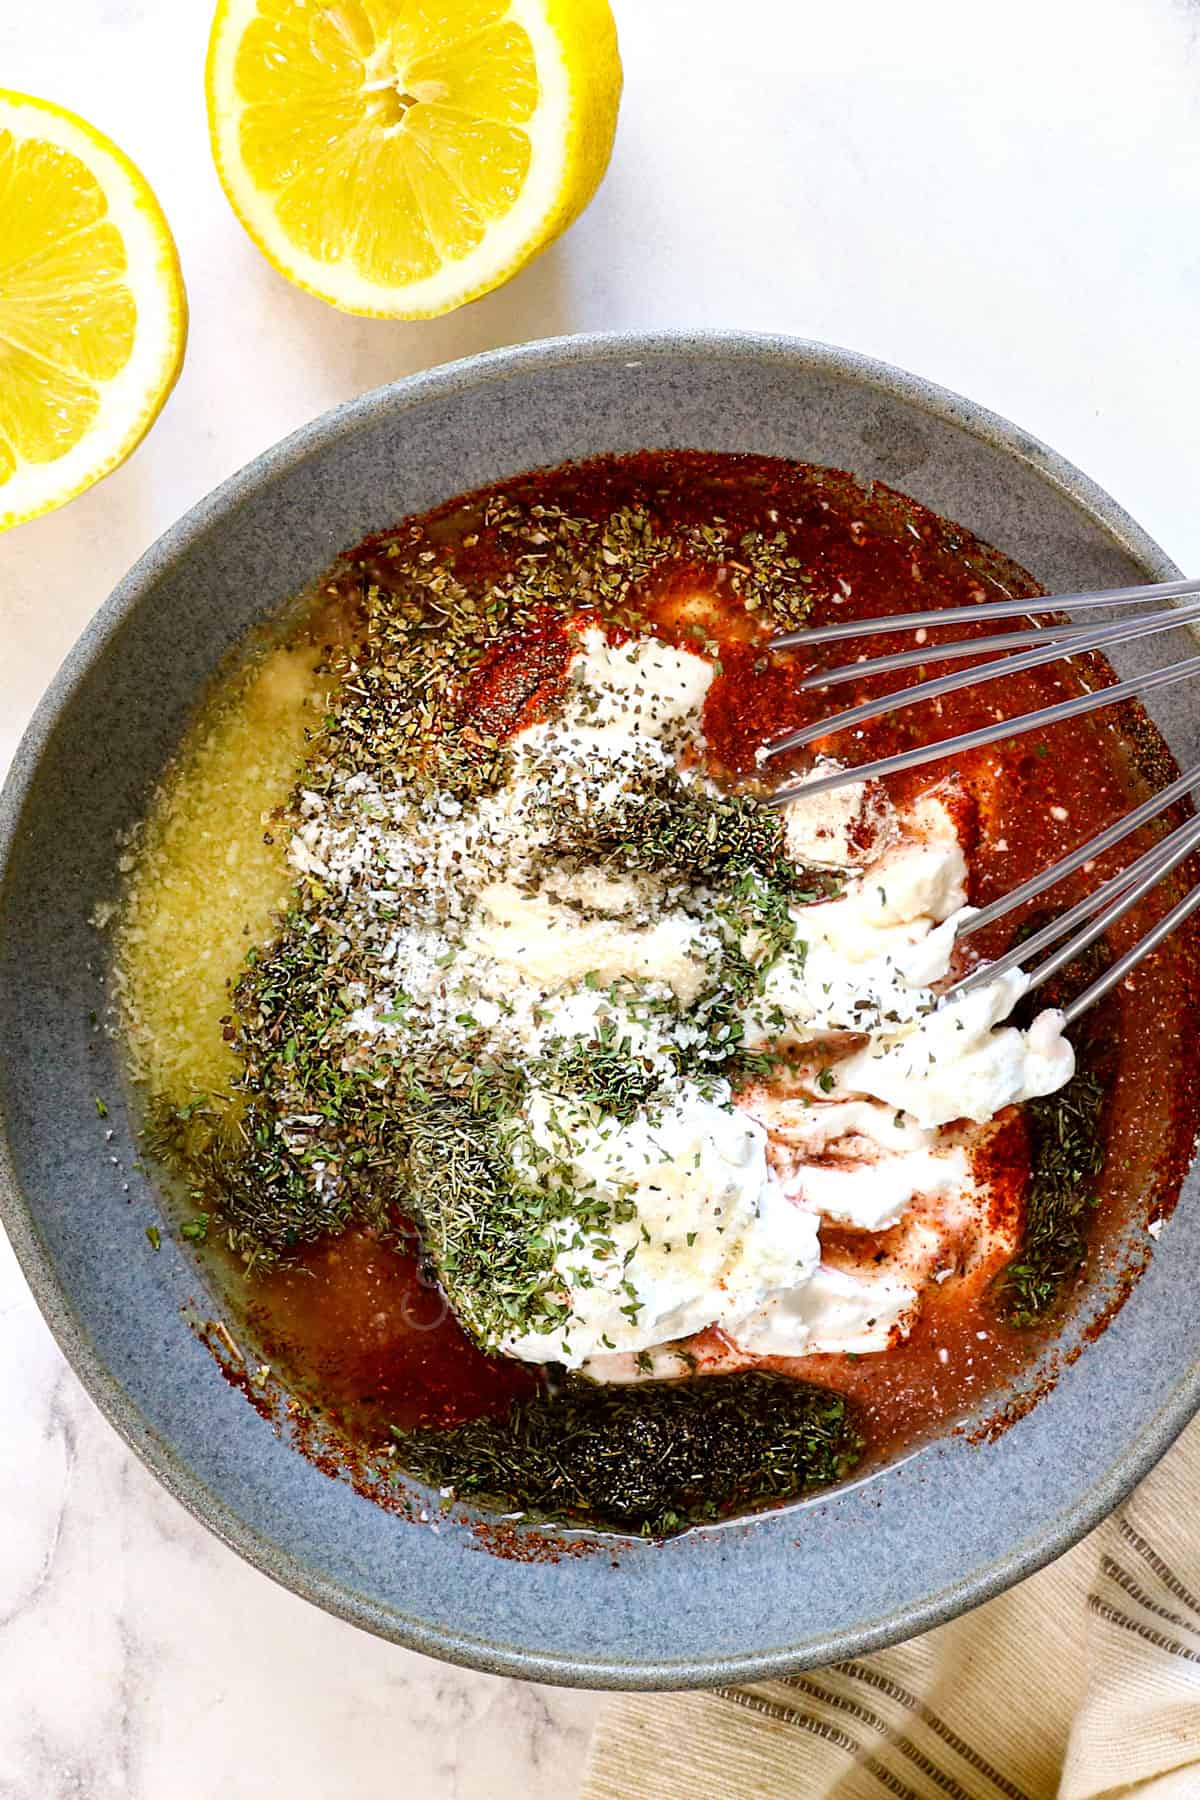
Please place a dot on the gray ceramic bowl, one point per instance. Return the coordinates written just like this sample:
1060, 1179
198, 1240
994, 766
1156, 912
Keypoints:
832, 1578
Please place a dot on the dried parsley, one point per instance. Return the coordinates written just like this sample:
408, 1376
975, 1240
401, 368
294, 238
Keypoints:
483, 1229
605, 1073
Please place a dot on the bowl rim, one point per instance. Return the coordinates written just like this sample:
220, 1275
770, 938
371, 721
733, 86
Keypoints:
101, 1384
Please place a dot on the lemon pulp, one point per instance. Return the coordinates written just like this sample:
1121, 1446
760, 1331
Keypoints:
402, 156
92, 310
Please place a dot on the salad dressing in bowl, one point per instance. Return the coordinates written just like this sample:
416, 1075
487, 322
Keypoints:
852, 1566
896, 1244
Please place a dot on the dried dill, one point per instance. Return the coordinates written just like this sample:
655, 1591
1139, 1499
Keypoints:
653, 1458
1066, 1157
1066, 1149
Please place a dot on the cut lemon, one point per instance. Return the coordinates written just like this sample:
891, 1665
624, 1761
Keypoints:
400, 157
93, 317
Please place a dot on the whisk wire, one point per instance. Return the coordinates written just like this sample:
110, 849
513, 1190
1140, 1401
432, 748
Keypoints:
1069, 638
940, 685
1110, 902
986, 734
985, 610
1078, 859
1124, 965
1030, 646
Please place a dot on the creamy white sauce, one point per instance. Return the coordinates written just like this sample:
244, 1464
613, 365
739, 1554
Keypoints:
855, 1162
711, 1233
544, 941
835, 1311
954, 1064
472, 931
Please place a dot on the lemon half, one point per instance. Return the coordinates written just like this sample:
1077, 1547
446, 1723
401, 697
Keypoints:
400, 157
93, 317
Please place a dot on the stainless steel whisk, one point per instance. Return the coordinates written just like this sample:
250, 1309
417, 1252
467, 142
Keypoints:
1027, 648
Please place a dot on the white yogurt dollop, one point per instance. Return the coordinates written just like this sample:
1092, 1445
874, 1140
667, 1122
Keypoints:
955, 1064
708, 1230
729, 1206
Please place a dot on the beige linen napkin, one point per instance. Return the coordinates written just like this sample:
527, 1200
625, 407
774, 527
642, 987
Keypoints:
1082, 1682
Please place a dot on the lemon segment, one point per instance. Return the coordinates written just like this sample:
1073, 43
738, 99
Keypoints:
93, 316
400, 157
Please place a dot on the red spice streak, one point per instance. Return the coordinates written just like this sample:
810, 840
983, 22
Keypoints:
518, 682
354, 1324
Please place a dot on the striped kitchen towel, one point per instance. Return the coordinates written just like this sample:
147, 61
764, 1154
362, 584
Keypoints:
1082, 1682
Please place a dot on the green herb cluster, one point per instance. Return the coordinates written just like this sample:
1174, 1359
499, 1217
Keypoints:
604, 1072
400, 709
1066, 1151
652, 1459
309, 1144
485, 1229
600, 562
665, 827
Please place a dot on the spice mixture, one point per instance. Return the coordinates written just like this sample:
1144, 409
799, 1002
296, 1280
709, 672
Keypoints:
587, 1131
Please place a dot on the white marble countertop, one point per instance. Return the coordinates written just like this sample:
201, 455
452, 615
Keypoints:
1002, 198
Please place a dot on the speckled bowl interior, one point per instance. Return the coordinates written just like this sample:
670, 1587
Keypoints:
838, 1575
